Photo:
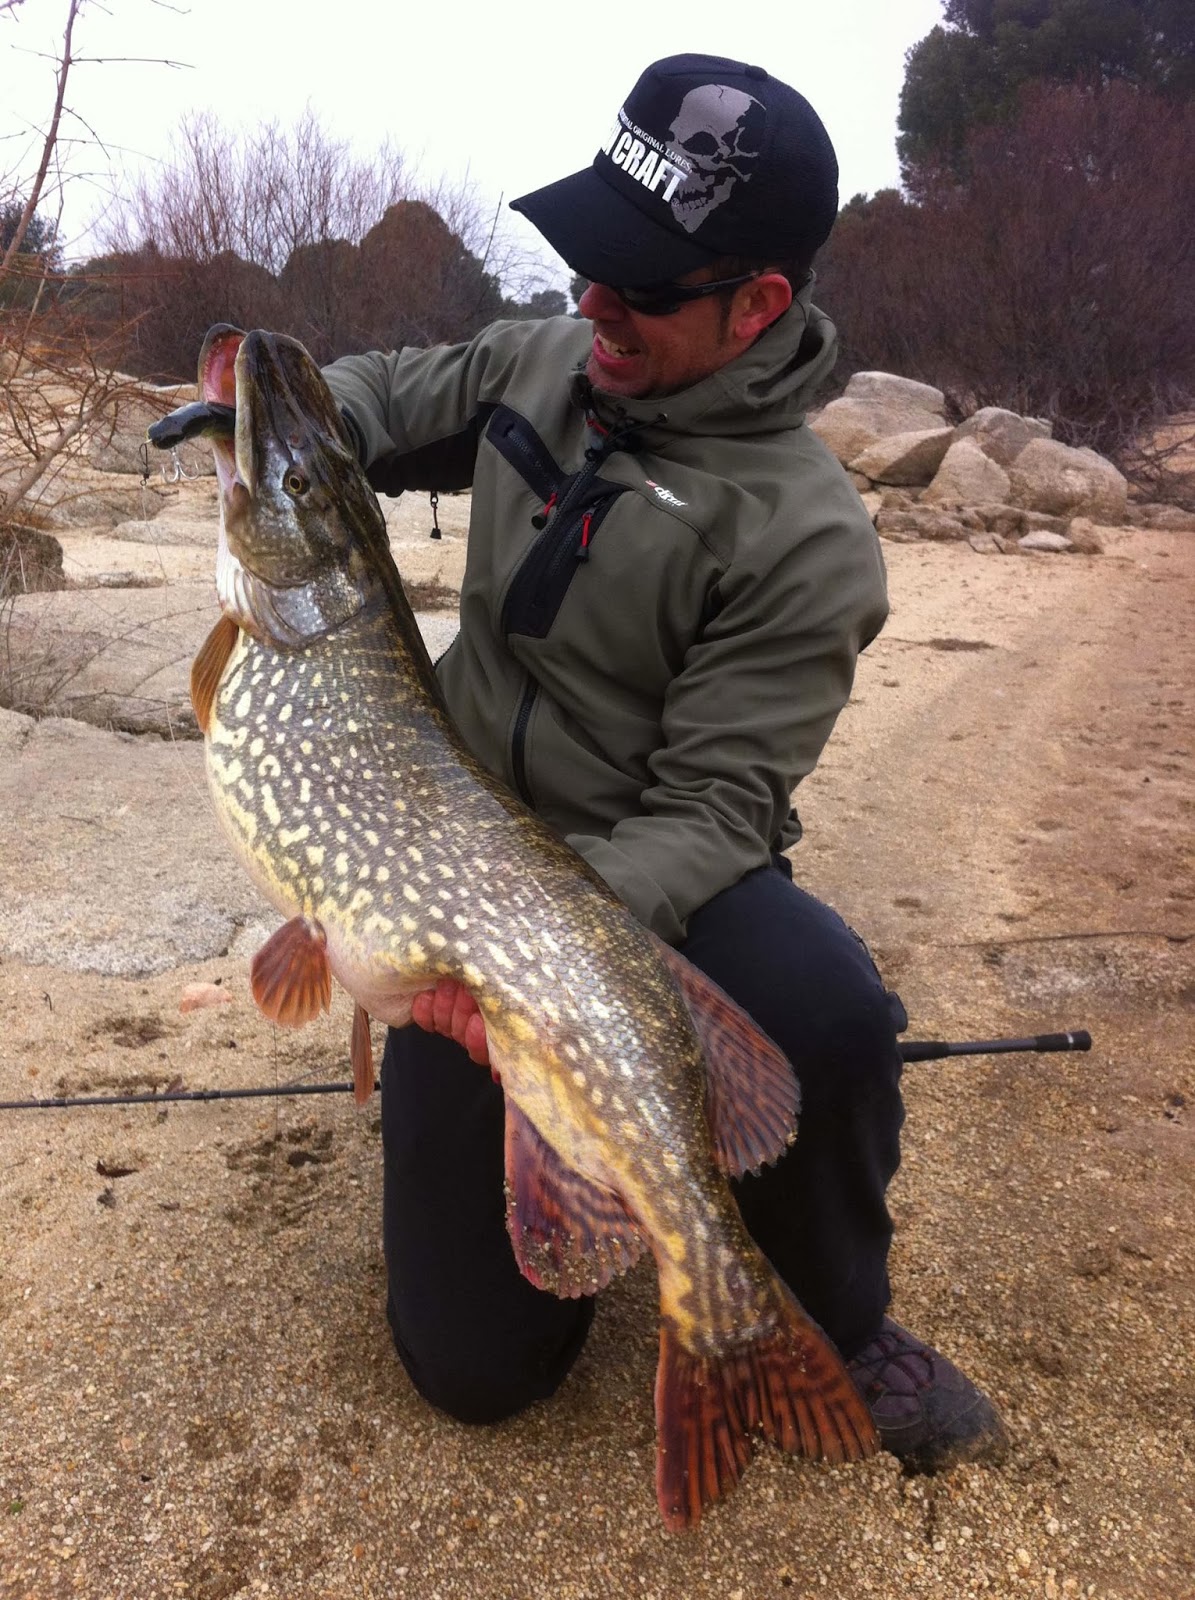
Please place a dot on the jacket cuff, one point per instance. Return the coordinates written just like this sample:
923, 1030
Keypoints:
356, 437
637, 890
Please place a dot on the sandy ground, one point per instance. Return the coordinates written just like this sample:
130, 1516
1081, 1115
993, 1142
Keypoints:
198, 1396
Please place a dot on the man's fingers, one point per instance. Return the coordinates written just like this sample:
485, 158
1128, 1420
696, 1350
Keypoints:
475, 1040
450, 1009
444, 1005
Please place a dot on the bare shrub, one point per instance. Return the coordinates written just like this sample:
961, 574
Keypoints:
1057, 282
290, 230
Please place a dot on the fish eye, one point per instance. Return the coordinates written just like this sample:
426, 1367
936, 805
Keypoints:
295, 483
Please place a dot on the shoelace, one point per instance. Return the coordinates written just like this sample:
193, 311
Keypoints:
891, 1350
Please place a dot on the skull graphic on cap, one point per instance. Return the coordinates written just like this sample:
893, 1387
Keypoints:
719, 129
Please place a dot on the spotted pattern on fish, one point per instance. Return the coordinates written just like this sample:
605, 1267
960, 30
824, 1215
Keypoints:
346, 803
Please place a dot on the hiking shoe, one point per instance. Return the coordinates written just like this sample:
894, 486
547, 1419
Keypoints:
928, 1414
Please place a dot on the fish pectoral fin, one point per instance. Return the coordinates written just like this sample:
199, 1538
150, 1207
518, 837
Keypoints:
570, 1235
751, 1093
291, 976
787, 1383
208, 668
361, 1052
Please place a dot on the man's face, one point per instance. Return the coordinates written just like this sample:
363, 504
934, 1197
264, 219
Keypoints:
636, 356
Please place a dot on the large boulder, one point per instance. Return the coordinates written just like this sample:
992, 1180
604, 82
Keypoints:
886, 388
1067, 482
904, 458
80, 497
848, 426
1000, 434
967, 477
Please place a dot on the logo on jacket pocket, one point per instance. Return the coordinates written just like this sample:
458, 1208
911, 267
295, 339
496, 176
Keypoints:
666, 495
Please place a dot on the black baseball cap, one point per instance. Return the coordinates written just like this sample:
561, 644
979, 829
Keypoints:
708, 157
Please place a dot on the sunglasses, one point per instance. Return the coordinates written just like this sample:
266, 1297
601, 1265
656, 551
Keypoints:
662, 299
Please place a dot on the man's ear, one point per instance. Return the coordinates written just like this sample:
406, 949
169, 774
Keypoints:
758, 304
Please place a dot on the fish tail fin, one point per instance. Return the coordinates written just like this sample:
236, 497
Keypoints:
788, 1384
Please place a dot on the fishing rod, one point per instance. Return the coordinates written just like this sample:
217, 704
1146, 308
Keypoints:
910, 1050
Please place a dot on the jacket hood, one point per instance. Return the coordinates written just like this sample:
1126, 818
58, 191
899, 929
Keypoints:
768, 388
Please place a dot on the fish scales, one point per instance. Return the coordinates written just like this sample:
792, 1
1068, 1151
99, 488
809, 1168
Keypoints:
352, 801
360, 810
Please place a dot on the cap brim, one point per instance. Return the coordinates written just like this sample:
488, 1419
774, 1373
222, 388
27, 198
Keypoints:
605, 238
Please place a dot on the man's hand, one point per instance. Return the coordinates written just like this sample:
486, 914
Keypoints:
450, 1009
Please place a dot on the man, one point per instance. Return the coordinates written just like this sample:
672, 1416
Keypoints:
669, 580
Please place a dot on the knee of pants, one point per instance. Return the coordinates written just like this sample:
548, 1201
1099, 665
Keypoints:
848, 1053
475, 1380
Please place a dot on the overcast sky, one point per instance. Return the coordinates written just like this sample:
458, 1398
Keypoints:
511, 95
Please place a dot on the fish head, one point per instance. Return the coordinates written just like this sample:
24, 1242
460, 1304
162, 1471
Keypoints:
303, 542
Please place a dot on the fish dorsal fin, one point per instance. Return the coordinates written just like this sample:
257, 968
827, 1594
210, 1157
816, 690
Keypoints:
570, 1235
361, 1050
208, 668
290, 976
751, 1093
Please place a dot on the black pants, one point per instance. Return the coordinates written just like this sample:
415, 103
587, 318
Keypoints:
477, 1339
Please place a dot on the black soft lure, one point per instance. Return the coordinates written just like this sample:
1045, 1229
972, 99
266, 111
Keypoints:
202, 419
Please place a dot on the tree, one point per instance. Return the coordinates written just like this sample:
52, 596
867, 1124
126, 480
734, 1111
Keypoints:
971, 71
40, 236
1058, 281
287, 229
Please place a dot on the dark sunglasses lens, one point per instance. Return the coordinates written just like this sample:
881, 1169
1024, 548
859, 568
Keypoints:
658, 302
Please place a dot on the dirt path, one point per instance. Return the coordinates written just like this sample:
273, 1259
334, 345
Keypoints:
197, 1392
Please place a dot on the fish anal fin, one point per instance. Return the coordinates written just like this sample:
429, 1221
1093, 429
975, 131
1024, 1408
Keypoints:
570, 1235
291, 976
208, 668
361, 1051
751, 1093
789, 1385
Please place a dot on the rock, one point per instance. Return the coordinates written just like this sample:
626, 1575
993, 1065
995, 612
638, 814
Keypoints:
897, 499
889, 389
986, 544
29, 561
119, 865
1002, 435
118, 658
1067, 482
921, 522
1046, 543
1154, 514
1010, 522
115, 444
967, 477
99, 560
861, 481
82, 498
872, 502
904, 458
199, 532
848, 426
121, 658
1081, 532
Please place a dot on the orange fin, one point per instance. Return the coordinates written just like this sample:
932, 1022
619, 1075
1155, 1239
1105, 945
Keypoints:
570, 1235
362, 1056
751, 1093
208, 668
290, 976
789, 1385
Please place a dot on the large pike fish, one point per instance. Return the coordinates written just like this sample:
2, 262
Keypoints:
630, 1080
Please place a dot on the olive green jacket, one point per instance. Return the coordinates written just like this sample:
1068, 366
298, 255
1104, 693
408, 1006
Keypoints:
654, 657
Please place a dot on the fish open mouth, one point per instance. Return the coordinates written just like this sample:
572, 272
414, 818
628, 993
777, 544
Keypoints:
218, 386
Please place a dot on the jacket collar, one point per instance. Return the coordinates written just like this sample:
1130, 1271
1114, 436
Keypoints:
768, 388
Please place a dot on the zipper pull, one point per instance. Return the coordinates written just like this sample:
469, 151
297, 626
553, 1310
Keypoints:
583, 549
540, 519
